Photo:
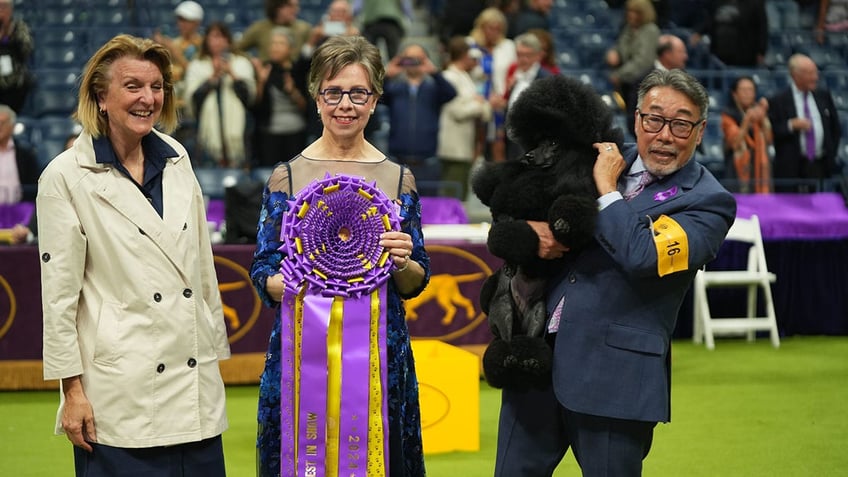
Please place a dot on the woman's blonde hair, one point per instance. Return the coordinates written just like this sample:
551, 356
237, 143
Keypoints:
487, 16
340, 51
645, 9
97, 76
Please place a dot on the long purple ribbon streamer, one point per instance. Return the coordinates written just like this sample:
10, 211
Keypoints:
353, 435
312, 412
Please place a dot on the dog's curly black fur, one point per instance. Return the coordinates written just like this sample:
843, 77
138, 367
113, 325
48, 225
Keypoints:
556, 119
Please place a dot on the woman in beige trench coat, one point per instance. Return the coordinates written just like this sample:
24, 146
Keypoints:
133, 326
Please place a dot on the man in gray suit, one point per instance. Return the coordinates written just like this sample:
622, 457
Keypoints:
613, 308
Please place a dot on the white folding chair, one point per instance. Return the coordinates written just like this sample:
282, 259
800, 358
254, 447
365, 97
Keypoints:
755, 277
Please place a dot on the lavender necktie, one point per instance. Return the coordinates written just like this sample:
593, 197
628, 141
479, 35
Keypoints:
810, 134
645, 178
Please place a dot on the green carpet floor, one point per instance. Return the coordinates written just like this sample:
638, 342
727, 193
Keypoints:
745, 409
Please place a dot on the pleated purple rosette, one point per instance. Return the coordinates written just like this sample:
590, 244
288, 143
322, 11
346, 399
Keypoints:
333, 408
331, 236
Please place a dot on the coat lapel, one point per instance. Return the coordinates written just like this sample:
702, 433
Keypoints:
118, 192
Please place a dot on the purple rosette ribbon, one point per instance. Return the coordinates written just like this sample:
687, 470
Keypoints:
333, 400
331, 236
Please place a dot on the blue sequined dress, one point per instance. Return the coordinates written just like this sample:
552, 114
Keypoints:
406, 457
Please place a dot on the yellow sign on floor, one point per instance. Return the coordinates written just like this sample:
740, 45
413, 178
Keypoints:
449, 388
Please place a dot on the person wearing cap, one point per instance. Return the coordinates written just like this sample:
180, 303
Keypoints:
279, 13
459, 116
16, 47
184, 47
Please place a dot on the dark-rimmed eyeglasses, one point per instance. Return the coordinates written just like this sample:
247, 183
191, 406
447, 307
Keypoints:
680, 128
333, 96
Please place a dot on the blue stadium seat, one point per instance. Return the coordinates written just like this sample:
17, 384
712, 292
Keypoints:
59, 36
58, 128
26, 130
57, 78
110, 17
213, 180
60, 56
58, 101
61, 16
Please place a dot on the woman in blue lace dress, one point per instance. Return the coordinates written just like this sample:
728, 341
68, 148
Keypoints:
346, 80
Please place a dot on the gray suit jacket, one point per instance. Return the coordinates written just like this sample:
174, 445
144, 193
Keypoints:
612, 350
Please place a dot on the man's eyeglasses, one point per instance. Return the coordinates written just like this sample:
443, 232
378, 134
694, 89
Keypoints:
333, 96
680, 128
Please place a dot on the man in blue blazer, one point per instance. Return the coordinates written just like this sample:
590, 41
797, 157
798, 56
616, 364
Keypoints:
793, 158
613, 308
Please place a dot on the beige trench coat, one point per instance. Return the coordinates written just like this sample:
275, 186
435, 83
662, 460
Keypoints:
131, 299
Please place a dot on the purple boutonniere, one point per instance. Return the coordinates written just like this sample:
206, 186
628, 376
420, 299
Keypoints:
666, 194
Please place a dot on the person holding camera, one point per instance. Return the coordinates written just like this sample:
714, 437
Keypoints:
16, 47
415, 92
338, 20
220, 86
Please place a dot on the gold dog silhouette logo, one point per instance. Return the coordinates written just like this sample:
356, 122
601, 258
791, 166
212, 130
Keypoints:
448, 308
239, 300
8, 306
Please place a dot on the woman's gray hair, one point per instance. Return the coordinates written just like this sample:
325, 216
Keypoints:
530, 41
340, 51
677, 80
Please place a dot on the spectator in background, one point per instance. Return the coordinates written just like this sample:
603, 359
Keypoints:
634, 53
280, 109
16, 47
832, 18
279, 13
738, 31
671, 53
384, 20
338, 20
527, 68
460, 116
185, 46
747, 137
21, 233
489, 36
532, 14
549, 59
806, 126
18, 164
221, 86
415, 92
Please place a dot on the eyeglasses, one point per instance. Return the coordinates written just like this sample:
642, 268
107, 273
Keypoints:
333, 96
679, 128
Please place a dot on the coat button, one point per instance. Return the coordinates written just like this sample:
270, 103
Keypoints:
187, 293
157, 297
45, 257
191, 362
572, 279
160, 368
185, 226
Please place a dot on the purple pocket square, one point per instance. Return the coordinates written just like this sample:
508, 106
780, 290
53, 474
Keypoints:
666, 194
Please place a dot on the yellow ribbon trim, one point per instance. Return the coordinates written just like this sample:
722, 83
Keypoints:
334, 385
376, 464
672, 246
365, 194
298, 350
